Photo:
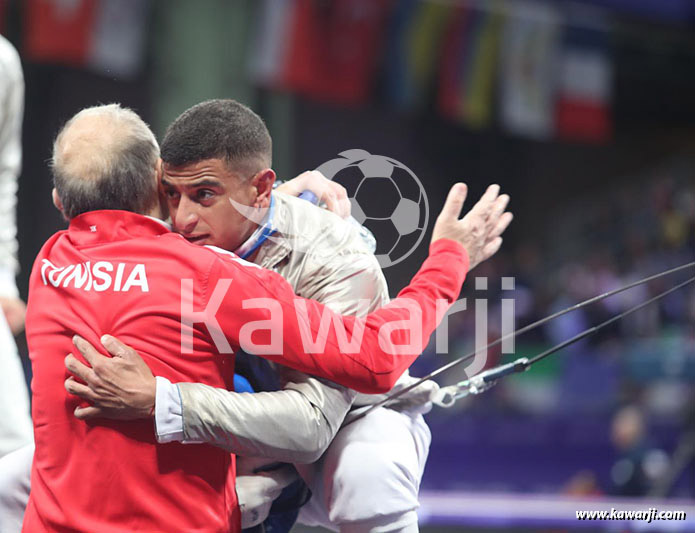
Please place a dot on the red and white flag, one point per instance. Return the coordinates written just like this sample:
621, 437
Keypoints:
326, 50
585, 87
103, 35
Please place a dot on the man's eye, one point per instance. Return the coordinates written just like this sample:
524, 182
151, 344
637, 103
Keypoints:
171, 193
205, 194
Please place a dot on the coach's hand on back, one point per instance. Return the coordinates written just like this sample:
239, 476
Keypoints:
121, 387
480, 230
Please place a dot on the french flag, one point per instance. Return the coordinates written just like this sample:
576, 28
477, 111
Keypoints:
585, 85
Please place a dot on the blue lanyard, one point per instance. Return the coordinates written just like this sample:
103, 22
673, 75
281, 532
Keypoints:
258, 237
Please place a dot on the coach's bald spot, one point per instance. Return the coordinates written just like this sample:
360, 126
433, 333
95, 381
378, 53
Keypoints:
85, 149
105, 157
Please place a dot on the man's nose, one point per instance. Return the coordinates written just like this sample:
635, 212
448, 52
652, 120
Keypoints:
186, 217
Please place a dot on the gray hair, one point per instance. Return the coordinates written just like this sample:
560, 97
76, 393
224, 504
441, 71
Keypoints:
105, 157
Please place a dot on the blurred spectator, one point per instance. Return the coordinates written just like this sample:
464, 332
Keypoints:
638, 465
583, 483
15, 422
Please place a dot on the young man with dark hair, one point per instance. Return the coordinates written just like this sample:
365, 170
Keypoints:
218, 129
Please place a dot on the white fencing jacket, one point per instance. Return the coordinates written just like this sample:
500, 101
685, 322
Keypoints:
325, 259
11, 113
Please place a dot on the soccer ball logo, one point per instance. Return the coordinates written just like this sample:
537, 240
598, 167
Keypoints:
387, 198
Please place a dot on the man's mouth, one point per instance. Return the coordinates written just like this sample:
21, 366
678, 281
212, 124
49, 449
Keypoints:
196, 239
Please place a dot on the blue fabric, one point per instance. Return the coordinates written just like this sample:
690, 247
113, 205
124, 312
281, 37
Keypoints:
260, 235
258, 372
241, 384
285, 509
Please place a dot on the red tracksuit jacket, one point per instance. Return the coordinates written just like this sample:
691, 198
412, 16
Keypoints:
127, 275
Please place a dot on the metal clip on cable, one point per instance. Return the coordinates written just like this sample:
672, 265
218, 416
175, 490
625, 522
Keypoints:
479, 383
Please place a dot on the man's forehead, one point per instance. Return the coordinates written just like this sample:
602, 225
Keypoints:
203, 181
209, 171
197, 168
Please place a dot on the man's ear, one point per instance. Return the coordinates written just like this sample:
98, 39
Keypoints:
57, 202
263, 182
163, 204
158, 172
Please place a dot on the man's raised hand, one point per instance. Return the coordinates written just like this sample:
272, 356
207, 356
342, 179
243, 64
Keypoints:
120, 387
333, 194
480, 230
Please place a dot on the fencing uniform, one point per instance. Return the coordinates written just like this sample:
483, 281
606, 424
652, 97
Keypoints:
15, 423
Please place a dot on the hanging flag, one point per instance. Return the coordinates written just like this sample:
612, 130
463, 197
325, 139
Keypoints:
469, 65
453, 56
398, 83
583, 107
529, 54
268, 51
477, 100
106, 36
117, 46
424, 46
59, 31
300, 59
415, 43
333, 49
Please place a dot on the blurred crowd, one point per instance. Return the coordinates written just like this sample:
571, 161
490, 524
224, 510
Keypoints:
590, 246
615, 406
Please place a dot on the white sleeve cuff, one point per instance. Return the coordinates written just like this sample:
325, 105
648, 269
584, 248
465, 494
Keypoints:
168, 412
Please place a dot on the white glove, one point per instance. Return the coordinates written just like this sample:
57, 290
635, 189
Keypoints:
257, 492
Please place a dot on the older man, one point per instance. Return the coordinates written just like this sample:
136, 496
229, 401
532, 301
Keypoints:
117, 270
368, 479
